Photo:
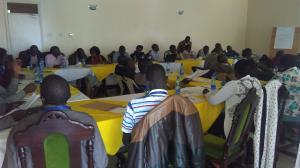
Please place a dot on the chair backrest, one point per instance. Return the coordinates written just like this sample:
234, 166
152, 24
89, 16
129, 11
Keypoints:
171, 133
55, 141
241, 123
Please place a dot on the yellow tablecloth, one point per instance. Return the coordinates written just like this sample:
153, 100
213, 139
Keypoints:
102, 71
110, 123
205, 82
188, 64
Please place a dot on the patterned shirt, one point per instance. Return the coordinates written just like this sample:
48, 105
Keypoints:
233, 93
291, 79
138, 108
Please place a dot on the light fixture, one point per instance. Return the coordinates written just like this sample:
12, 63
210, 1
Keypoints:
8, 11
92, 7
180, 12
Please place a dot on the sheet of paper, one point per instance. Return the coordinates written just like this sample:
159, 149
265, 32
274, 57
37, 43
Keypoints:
25, 105
192, 91
197, 74
284, 38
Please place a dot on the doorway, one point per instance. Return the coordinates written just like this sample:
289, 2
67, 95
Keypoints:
24, 27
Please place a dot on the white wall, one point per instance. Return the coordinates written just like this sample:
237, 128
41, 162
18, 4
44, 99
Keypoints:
132, 22
263, 15
3, 36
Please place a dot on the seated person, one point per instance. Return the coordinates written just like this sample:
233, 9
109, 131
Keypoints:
231, 53
184, 45
30, 57
138, 54
223, 66
212, 59
218, 48
266, 61
115, 55
277, 59
171, 54
234, 91
259, 71
55, 92
289, 75
138, 108
77, 57
204, 52
9, 81
140, 78
55, 58
125, 67
154, 54
96, 57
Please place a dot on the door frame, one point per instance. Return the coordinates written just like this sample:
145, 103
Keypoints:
9, 45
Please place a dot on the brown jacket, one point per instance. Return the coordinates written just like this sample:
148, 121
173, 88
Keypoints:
170, 134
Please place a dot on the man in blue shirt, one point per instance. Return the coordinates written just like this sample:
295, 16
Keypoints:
55, 92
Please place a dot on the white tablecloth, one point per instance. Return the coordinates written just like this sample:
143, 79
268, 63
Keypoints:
171, 67
73, 73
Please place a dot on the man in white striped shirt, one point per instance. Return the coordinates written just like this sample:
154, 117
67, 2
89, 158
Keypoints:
138, 108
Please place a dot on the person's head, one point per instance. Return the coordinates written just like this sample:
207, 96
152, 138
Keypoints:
156, 76
122, 49
206, 49
243, 68
139, 48
288, 61
80, 52
222, 59
55, 90
173, 48
229, 48
95, 51
2, 52
7, 70
187, 39
144, 65
34, 50
247, 52
155, 47
55, 51
279, 53
218, 46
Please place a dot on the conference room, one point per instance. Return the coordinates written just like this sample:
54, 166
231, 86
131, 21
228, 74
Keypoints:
135, 83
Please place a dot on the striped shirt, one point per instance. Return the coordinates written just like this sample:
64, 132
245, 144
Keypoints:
138, 108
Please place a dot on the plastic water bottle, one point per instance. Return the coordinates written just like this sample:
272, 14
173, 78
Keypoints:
83, 62
41, 72
63, 63
36, 74
213, 87
181, 72
177, 86
168, 67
